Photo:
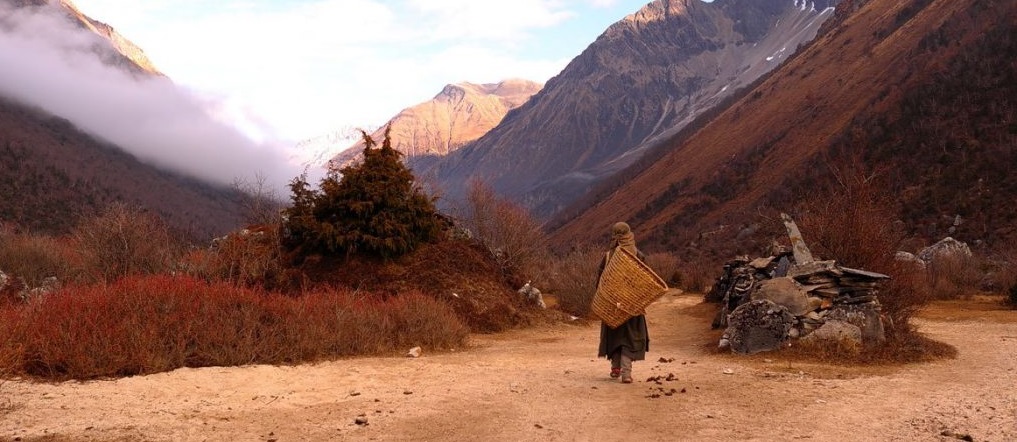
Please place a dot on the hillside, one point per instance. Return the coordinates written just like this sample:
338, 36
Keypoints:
52, 174
119, 52
643, 79
460, 113
922, 91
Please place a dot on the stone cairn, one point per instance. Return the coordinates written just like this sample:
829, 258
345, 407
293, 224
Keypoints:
769, 302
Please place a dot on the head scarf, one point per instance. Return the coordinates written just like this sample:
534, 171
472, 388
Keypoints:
621, 236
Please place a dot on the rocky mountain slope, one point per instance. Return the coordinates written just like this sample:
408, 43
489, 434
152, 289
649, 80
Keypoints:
118, 52
460, 113
643, 79
920, 92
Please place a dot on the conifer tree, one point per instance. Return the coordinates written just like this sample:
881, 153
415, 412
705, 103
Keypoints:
371, 208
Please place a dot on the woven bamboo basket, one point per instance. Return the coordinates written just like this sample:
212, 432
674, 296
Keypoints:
626, 287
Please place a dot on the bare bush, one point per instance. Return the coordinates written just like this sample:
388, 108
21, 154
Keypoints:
148, 324
853, 223
666, 266
260, 203
123, 241
696, 276
36, 257
249, 257
511, 234
953, 276
572, 278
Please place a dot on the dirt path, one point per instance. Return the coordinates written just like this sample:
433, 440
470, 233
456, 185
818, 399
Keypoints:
546, 384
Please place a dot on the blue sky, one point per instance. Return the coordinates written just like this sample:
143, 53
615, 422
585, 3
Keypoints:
293, 70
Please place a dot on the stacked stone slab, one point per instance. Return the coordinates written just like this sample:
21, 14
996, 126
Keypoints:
815, 301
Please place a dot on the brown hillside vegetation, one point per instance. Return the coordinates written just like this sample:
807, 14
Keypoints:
52, 175
546, 384
923, 88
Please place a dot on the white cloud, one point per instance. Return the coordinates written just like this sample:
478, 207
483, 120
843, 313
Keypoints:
309, 66
506, 22
46, 62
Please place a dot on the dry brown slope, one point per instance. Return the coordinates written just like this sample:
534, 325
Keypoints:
775, 130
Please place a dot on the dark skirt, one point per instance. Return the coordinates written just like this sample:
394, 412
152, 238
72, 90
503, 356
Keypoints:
630, 337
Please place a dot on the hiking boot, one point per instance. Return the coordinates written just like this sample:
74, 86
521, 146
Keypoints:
626, 379
615, 372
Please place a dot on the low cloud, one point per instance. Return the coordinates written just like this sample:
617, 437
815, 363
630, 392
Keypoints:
48, 62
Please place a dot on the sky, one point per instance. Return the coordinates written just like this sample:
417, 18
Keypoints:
296, 69
248, 80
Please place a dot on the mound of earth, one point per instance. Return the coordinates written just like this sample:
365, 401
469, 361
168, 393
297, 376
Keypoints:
459, 272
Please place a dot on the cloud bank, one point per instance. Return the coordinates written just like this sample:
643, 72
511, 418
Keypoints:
48, 62
310, 66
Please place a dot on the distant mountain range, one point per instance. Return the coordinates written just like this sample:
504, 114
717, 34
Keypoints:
689, 120
640, 82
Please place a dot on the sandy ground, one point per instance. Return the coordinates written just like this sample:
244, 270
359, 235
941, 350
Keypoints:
546, 384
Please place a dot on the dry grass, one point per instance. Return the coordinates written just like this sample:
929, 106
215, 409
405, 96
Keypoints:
250, 257
901, 349
953, 277
36, 257
697, 275
143, 325
666, 266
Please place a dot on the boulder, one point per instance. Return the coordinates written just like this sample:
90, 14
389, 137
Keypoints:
864, 316
756, 326
945, 248
786, 292
834, 331
533, 295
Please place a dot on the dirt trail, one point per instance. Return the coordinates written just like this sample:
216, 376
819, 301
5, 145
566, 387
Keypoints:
546, 384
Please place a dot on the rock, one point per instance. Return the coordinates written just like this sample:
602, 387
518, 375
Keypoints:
909, 258
532, 294
815, 303
836, 331
946, 248
757, 326
786, 292
360, 420
864, 316
413, 353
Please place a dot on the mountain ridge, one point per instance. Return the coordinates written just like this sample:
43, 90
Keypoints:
460, 113
605, 109
862, 89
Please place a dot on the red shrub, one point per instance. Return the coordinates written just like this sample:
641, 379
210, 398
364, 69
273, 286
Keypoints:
142, 325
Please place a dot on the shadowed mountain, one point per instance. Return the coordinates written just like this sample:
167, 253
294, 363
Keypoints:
923, 91
642, 80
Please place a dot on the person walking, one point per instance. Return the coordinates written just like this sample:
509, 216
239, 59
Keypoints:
631, 340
